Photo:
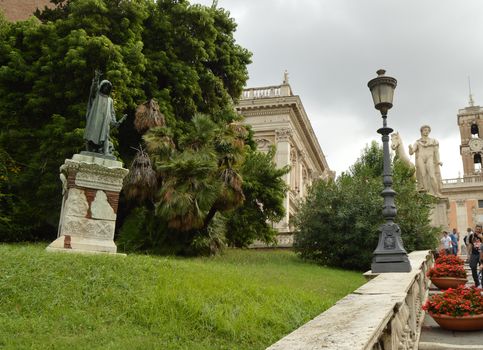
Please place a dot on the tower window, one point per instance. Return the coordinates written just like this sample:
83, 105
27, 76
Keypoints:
480, 203
477, 163
474, 129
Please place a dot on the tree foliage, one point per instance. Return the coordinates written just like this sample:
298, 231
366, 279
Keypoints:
212, 187
182, 55
264, 190
338, 223
180, 59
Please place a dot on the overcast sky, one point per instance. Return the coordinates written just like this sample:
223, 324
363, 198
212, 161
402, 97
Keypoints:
332, 48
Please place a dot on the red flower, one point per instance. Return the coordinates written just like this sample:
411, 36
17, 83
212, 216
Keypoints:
447, 270
449, 259
462, 301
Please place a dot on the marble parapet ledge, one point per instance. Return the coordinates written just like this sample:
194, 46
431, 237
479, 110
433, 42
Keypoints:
384, 313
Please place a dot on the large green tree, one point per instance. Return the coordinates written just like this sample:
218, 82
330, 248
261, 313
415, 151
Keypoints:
264, 190
338, 223
182, 55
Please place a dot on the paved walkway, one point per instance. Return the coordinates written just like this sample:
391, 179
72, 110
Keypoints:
435, 338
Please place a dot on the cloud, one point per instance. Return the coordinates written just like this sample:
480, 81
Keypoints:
332, 48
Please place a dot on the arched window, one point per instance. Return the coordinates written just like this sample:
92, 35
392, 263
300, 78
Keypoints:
474, 129
477, 163
477, 158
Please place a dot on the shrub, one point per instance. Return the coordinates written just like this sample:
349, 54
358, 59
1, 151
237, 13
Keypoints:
338, 223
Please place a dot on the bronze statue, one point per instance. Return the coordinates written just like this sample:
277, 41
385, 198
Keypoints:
100, 117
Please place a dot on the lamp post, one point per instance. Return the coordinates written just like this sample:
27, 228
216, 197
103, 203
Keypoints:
390, 255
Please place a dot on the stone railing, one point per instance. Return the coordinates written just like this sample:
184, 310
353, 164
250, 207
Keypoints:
385, 313
265, 92
463, 181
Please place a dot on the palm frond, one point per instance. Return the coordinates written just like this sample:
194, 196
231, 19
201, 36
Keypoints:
141, 182
159, 141
148, 116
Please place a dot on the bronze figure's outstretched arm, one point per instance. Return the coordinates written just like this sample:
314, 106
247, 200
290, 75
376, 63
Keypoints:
93, 91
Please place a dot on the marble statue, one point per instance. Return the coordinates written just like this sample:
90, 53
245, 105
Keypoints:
428, 173
398, 146
100, 117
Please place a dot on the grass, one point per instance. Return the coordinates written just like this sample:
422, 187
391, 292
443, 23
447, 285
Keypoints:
243, 299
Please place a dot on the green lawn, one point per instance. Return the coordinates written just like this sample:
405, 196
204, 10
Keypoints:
243, 299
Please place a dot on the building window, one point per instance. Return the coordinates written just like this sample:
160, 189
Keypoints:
480, 203
474, 129
477, 158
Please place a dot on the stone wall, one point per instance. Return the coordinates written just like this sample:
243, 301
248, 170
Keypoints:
17, 10
385, 313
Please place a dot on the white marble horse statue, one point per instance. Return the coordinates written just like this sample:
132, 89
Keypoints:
398, 146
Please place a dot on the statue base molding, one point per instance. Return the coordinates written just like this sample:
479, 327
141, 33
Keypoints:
439, 214
91, 187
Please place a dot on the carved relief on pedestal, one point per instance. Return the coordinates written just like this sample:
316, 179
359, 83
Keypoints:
76, 203
100, 207
87, 228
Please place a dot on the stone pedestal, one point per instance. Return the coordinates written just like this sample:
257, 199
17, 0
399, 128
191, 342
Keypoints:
439, 214
91, 186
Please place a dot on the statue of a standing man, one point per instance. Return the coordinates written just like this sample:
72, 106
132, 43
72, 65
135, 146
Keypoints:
428, 173
100, 117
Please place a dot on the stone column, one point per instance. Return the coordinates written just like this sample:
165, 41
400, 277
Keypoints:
302, 179
468, 161
461, 222
282, 158
91, 187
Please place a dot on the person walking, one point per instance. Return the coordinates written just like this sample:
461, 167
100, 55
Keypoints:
446, 243
454, 235
464, 250
474, 246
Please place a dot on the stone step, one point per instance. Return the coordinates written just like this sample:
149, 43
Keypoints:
435, 338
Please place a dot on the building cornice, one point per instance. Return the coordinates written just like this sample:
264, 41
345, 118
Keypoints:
288, 105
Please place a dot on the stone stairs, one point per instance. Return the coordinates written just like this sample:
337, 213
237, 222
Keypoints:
435, 338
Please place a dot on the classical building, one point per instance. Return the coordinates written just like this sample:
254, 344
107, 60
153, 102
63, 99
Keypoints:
278, 118
465, 193
19, 10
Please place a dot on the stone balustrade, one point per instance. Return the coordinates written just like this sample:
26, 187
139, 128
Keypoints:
266, 92
384, 313
463, 181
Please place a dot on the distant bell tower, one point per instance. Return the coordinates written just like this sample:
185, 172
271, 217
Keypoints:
470, 122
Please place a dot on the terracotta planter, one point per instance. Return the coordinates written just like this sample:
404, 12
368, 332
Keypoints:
448, 282
459, 323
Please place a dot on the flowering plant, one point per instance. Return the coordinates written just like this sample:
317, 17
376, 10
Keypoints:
462, 301
447, 270
449, 259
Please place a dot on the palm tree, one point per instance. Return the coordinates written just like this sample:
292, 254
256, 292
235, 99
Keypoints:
198, 175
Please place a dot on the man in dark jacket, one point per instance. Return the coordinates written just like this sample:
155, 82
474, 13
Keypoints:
474, 245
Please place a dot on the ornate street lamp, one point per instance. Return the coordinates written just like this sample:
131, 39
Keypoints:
390, 255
